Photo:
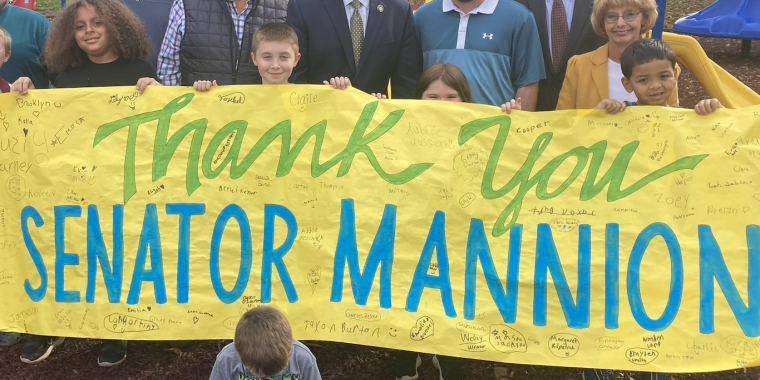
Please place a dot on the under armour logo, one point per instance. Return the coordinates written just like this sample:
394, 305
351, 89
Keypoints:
489, 36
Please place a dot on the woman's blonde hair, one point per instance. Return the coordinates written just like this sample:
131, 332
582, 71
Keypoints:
648, 10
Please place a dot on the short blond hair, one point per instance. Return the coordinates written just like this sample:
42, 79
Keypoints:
275, 32
648, 9
263, 340
6, 39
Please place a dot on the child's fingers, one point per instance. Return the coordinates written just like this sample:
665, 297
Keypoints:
22, 85
202, 85
602, 105
700, 108
715, 104
143, 83
326, 83
509, 106
213, 84
613, 107
710, 106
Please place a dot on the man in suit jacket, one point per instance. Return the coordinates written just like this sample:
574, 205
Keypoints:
581, 39
371, 48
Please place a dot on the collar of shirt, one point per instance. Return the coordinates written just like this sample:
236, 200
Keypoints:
488, 7
233, 5
347, 3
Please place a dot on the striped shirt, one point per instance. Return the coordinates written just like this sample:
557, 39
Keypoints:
168, 58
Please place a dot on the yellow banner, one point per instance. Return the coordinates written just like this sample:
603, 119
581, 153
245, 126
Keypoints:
562, 238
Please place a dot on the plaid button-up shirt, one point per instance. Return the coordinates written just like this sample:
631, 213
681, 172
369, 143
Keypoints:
168, 58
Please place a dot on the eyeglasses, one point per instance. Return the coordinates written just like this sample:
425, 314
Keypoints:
612, 18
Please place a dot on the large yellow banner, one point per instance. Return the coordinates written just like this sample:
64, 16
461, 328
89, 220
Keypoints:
562, 238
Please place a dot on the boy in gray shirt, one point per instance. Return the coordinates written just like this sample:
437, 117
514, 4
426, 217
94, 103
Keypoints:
264, 348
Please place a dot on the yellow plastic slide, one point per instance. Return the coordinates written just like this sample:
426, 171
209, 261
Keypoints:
731, 92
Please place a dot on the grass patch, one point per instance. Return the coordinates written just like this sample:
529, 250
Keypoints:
48, 5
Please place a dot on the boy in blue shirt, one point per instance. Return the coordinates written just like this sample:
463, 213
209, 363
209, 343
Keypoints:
648, 67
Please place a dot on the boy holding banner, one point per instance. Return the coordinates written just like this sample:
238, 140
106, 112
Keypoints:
274, 51
648, 67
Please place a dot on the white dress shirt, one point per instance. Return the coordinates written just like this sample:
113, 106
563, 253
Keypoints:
615, 76
569, 7
363, 12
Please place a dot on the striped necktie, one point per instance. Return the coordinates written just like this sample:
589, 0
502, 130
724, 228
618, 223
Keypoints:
559, 33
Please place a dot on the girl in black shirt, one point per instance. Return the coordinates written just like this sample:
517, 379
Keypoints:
108, 47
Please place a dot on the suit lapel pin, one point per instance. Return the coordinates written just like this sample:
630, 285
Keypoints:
380, 8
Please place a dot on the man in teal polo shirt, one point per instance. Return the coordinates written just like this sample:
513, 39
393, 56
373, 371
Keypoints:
29, 31
494, 42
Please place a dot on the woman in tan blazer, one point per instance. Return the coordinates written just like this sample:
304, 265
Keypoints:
595, 76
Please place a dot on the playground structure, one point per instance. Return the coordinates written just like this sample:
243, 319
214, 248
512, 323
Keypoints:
718, 83
723, 19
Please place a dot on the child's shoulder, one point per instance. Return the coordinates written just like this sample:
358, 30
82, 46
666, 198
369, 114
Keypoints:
229, 351
300, 349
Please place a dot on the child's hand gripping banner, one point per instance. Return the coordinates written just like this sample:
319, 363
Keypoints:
562, 238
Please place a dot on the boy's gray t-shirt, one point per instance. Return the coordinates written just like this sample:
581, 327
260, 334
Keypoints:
302, 365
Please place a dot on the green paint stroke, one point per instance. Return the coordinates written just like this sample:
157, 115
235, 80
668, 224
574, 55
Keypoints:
164, 147
591, 188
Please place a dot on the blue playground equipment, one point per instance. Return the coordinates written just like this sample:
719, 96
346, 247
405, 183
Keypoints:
739, 19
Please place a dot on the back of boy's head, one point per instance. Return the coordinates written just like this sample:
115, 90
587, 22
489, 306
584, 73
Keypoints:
263, 340
644, 51
5, 40
275, 32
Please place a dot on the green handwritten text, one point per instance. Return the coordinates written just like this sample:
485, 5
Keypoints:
164, 147
591, 188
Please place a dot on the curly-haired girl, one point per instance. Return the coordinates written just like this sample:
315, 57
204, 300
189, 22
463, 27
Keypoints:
97, 43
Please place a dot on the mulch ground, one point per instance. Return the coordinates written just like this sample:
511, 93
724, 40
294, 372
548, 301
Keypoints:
77, 358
